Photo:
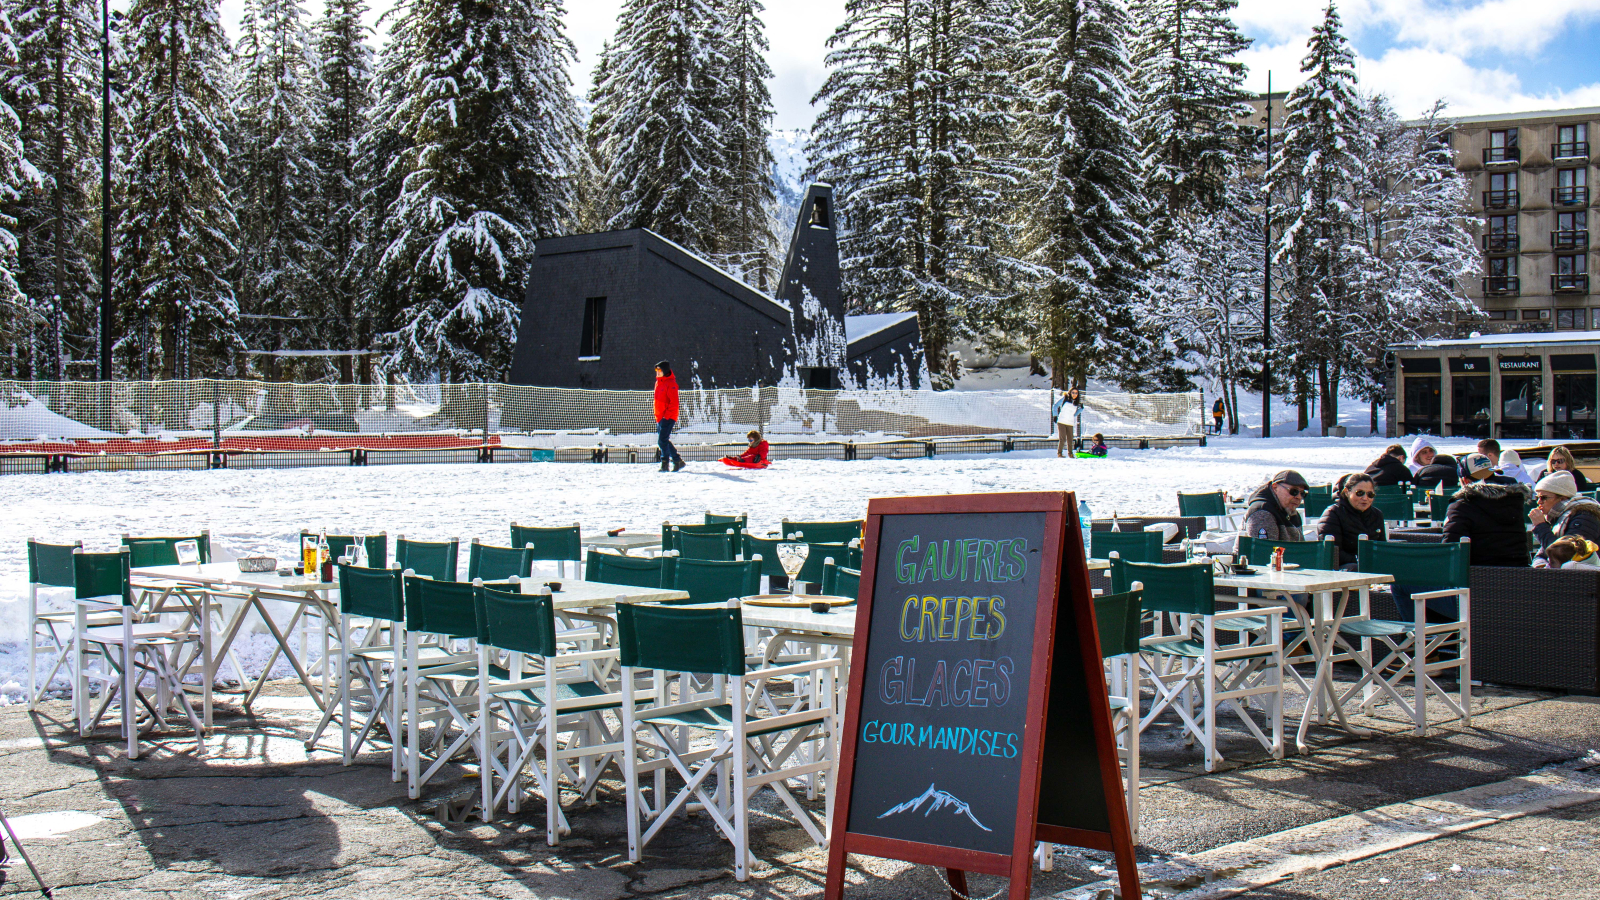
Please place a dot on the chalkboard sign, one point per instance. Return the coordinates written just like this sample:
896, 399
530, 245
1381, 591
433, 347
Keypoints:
959, 653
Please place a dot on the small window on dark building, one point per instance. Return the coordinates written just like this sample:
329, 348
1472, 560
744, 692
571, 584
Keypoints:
819, 212
594, 326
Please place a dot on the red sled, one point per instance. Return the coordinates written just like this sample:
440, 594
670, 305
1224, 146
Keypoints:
743, 464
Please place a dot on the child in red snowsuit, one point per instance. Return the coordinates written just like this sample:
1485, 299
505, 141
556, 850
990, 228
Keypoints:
755, 457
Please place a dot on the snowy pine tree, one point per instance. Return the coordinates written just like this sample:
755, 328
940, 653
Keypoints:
57, 69
176, 239
748, 169
479, 100
17, 177
1082, 233
1316, 183
1190, 89
914, 134
277, 179
344, 97
662, 125
593, 202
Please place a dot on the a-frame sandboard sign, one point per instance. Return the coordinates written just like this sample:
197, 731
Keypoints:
977, 721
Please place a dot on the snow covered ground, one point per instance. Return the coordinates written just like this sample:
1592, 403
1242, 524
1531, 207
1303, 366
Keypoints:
262, 511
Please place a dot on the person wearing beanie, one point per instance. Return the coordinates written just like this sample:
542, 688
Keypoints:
1489, 513
1561, 513
667, 415
1512, 468
1274, 511
1441, 473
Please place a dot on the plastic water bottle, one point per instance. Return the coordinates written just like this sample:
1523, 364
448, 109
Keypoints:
1084, 518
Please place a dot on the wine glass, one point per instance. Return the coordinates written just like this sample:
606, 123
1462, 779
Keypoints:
793, 558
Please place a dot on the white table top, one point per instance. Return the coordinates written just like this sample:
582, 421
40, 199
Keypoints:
840, 622
592, 594
227, 573
624, 541
1302, 581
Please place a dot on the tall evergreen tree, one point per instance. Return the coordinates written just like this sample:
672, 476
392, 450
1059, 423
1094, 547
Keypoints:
662, 124
1082, 234
344, 95
913, 129
277, 178
1317, 181
57, 67
749, 193
593, 200
1189, 85
177, 237
17, 177
479, 99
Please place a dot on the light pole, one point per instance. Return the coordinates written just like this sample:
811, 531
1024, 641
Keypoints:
105, 190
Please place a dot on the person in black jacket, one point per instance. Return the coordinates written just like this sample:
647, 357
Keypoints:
1491, 516
1390, 468
1442, 471
1351, 516
1561, 513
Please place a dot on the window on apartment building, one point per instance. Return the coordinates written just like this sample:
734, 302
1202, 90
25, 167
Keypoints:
1569, 178
1568, 135
1502, 181
1572, 264
1502, 265
1532, 314
1572, 319
1502, 224
1572, 221
1499, 315
1503, 139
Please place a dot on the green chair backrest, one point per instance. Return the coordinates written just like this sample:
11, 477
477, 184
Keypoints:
1439, 506
1322, 554
767, 549
520, 623
677, 639
372, 593
1431, 565
1395, 501
435, 559
377, 546
824, 532
708, 581
669, 532
492, 563
635, 571
1117, 617
1184, 588
441, 607
740, 522
102, 575
1212, 504
840, 581
1314, 506
50, 565
560, 542
703, 546
1320, 490
163, 551
1138, 546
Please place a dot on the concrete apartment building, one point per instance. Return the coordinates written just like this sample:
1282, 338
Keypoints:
1531, 176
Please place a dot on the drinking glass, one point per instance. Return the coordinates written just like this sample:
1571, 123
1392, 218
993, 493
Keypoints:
793, 558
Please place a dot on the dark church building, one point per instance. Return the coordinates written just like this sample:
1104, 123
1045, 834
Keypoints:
601, 309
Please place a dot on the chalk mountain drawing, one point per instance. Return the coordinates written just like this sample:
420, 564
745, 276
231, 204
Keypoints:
936, 800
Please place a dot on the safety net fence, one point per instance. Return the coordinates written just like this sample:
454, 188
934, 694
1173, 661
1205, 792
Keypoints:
452, 420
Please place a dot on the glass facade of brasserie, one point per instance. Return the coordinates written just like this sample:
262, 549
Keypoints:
1519, 386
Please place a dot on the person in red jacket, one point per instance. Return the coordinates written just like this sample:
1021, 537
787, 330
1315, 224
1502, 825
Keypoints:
667, 415
753, 458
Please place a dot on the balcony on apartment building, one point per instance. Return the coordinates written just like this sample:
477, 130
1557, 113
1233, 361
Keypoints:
1571, 195
1569, 151
1501, 242
1501, 199
1568, 240
1575, 283
1501, 156
1502, 285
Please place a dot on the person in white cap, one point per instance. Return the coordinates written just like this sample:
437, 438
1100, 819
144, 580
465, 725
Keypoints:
1511, 467
1561, 513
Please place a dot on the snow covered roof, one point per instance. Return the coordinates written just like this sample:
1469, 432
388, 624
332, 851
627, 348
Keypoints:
1505, 340
1590, 112
858, 327
733, 282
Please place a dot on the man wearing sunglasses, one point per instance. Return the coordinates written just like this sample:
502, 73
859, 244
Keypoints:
1274, 511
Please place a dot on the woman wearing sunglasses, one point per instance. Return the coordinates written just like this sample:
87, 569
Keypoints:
1351, 516
1274, 512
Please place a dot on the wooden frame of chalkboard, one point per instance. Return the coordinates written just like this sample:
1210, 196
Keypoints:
986, 545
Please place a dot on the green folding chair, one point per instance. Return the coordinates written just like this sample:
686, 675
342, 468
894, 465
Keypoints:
1439, 507
670, 532
1413, 647
824, 532
432, 559
816, 555
708, 581
692, 545
487, 562
559, 544
1394, 501
163, 551
1313, 506
1188, 663
50, 568
372, 600
839, 581
1138, 546
750, 751
1118, 620
440, 680
738, 523
1323, 554
375, 545
635, 571
1209, 504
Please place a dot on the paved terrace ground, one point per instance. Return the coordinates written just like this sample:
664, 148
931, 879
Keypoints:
261, 818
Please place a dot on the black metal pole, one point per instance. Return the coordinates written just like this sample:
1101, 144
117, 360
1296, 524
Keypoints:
105, 190
1266, 285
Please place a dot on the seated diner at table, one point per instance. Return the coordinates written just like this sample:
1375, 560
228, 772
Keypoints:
1352, 516
1490, 515
1274, 510
1561, 461
1561, 513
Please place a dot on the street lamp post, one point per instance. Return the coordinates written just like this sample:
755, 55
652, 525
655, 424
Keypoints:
105, 190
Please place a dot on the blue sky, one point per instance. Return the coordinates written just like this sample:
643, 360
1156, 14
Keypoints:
1483, 56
